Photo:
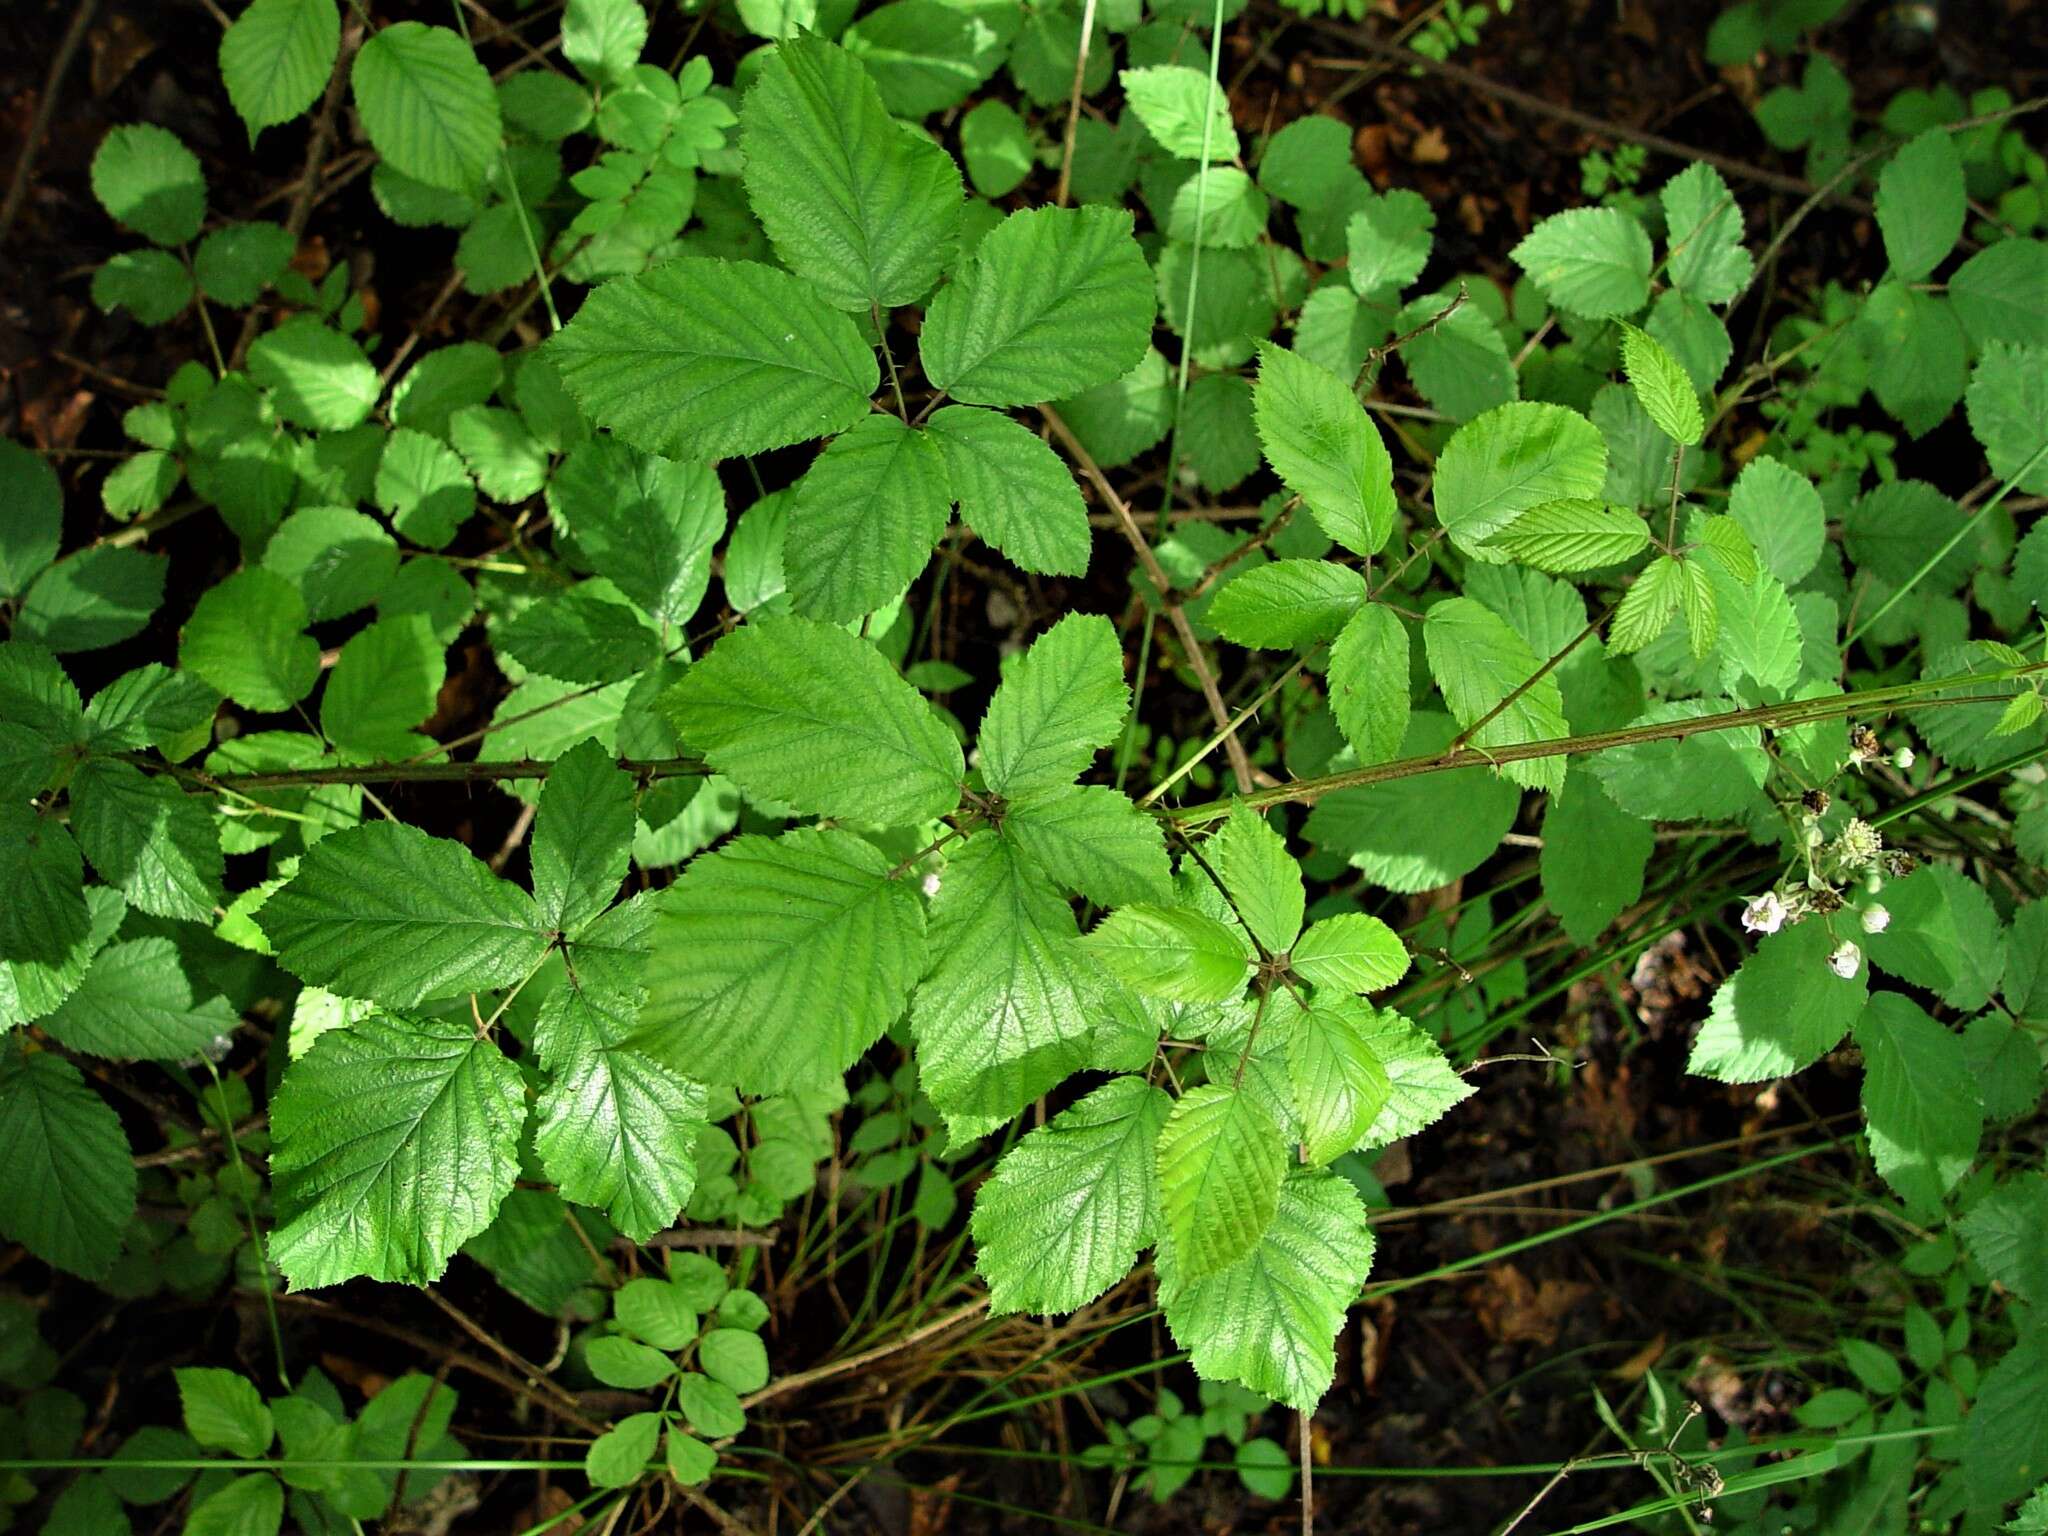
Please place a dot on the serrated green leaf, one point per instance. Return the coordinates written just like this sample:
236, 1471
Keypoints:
97, 597
425, 487
1058, 705
428, 105
704, 359
1221, 1158
1702, 776
394, 1142
581, 635
250, 1505
1782, 513
1352, 952
1368, 682
35, 522
1646, 608
316, 376
1054, 301
223, 1411
1516, 456
157, 844
1921, 1101
246, 638
1324, 447
645, 523
1338, 1085
1171, 952
276, 57
153, 286
1285, 604
1662, 386
339, 559
2007, 1232
135, 1004
1573, 535
1703, 227
2007, 403
864, 519
1186, 116
1760, 634
1594, 856
1781, 1011
996, 147
1271, 1319
387, 912
1484, 669
582, 836
1092, 841
1921, 204
864, 208
1594, 262
1069, 1208
776, 962
1422, 1087
806, 714
385, 681
70, 1190
147, 180
1261, 878
44, 915
1944, 935
620, 1362
603, 39
1994, 293
1701, 606
1013, 490
1387, 243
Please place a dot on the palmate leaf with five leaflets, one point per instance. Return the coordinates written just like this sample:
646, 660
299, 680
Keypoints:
396, 1140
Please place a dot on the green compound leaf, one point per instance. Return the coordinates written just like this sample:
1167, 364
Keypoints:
1483, 667
394, 1142
1271, 1319
1573, 535
1646, 607
150, 182
1782, 1011
704, 359
1171, 952
1261, 877
1516, 456
776, 962
386, 912
1368, 682
1351, 951
804, 713
428, 105
1222, 1156
1287, 603
135, 1004
1013, 490
247, 639
1921, 204
1339, 1085
1070, 1207
1054, 301
1594, 262
1092, 841
276, 57
70, 1188
1058, 705
1325, 449
864, 208
1007, 1008
1662, 386
1422, 1087
1921, 1100
1186, 116
864, 519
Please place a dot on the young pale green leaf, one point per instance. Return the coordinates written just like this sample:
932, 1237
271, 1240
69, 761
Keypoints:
1053, 302
1701, 605
1646, 608
69, 1193
150, 182
1338, 1085
1593, 262
1171, 952
1422, 1087
1662, 386
1781, 1011
1261, 878
1921, 204
1007, 1008
865, 518
157, 844
581, 635
276, 57
1271, 1319
632, 1367
1368, 682
705, 359
1703, 231
1387, 243
1485, 669
1093, 841
1352, 951
865, 209
224, 1411
1287, 603
1068, 1209
619, 1457
428, 105
1575, 534
387, 912
645, 523
1516, 456
1760, 635
776, 962
135, 1003
1593, 859
1325, 448
246, 638
1013, 490
582, 836
1920, 1098
804, 713
1944, 935
1222, 1157
316, 376
1058, 705
1724, 541
1217, 206
603, 39
394, 1142
1186, 116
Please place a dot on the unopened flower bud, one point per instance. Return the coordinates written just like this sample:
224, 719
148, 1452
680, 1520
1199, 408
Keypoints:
930, 883
1876, 919
1845, 960
1903, 758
